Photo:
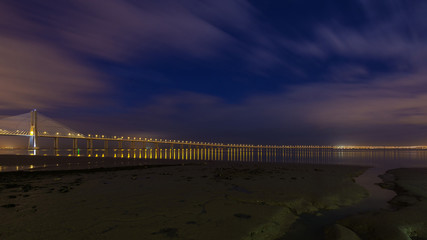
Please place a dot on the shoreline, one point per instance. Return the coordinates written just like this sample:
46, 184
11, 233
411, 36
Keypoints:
197, 200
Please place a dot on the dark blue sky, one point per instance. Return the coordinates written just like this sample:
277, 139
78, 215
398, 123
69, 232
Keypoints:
262, 72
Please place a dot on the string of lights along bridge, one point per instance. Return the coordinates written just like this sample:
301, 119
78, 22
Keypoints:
35, 126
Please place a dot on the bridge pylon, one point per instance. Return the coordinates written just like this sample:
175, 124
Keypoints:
32, 144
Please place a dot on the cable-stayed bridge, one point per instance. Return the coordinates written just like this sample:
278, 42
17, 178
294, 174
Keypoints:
35, 126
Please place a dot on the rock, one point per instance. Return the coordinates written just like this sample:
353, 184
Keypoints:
388, 177
10, 205
11, 185
339, 232
26, 188
242, 215
404, 200
169, 232
387, 185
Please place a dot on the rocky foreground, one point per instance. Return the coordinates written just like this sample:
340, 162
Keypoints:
208, 200
408, 217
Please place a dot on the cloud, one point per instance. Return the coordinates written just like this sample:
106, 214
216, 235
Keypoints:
119, 29
33, 75
320, 113
46, 46
391, 32
116, 29
45, 49
341, 106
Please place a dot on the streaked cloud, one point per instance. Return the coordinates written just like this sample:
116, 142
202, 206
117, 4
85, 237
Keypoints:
372, 109
46, 47
34, 75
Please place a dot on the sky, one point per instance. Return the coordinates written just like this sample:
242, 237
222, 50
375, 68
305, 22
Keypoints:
233, 71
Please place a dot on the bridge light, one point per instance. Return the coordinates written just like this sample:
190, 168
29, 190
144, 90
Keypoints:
31, 133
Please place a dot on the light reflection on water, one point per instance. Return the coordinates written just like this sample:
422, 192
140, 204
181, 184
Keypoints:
129, 157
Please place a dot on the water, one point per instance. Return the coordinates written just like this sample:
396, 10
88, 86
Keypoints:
379, 159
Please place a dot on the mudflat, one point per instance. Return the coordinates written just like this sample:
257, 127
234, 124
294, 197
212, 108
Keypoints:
194, 200
406, 219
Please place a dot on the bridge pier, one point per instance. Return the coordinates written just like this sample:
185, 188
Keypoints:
227, 153
55, 143
89, 143
105, 144
198, 153
75, 146
144, 150
157, 153
171, 150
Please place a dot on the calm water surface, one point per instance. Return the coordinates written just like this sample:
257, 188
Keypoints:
379, 159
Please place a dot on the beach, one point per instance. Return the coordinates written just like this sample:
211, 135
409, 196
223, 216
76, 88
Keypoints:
172, 200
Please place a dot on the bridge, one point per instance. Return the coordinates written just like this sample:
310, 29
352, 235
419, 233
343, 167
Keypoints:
35, 126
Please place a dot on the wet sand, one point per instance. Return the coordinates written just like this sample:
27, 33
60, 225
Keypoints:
407, 219
194, 200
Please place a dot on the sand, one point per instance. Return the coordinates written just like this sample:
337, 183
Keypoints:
195, 200
407, 219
